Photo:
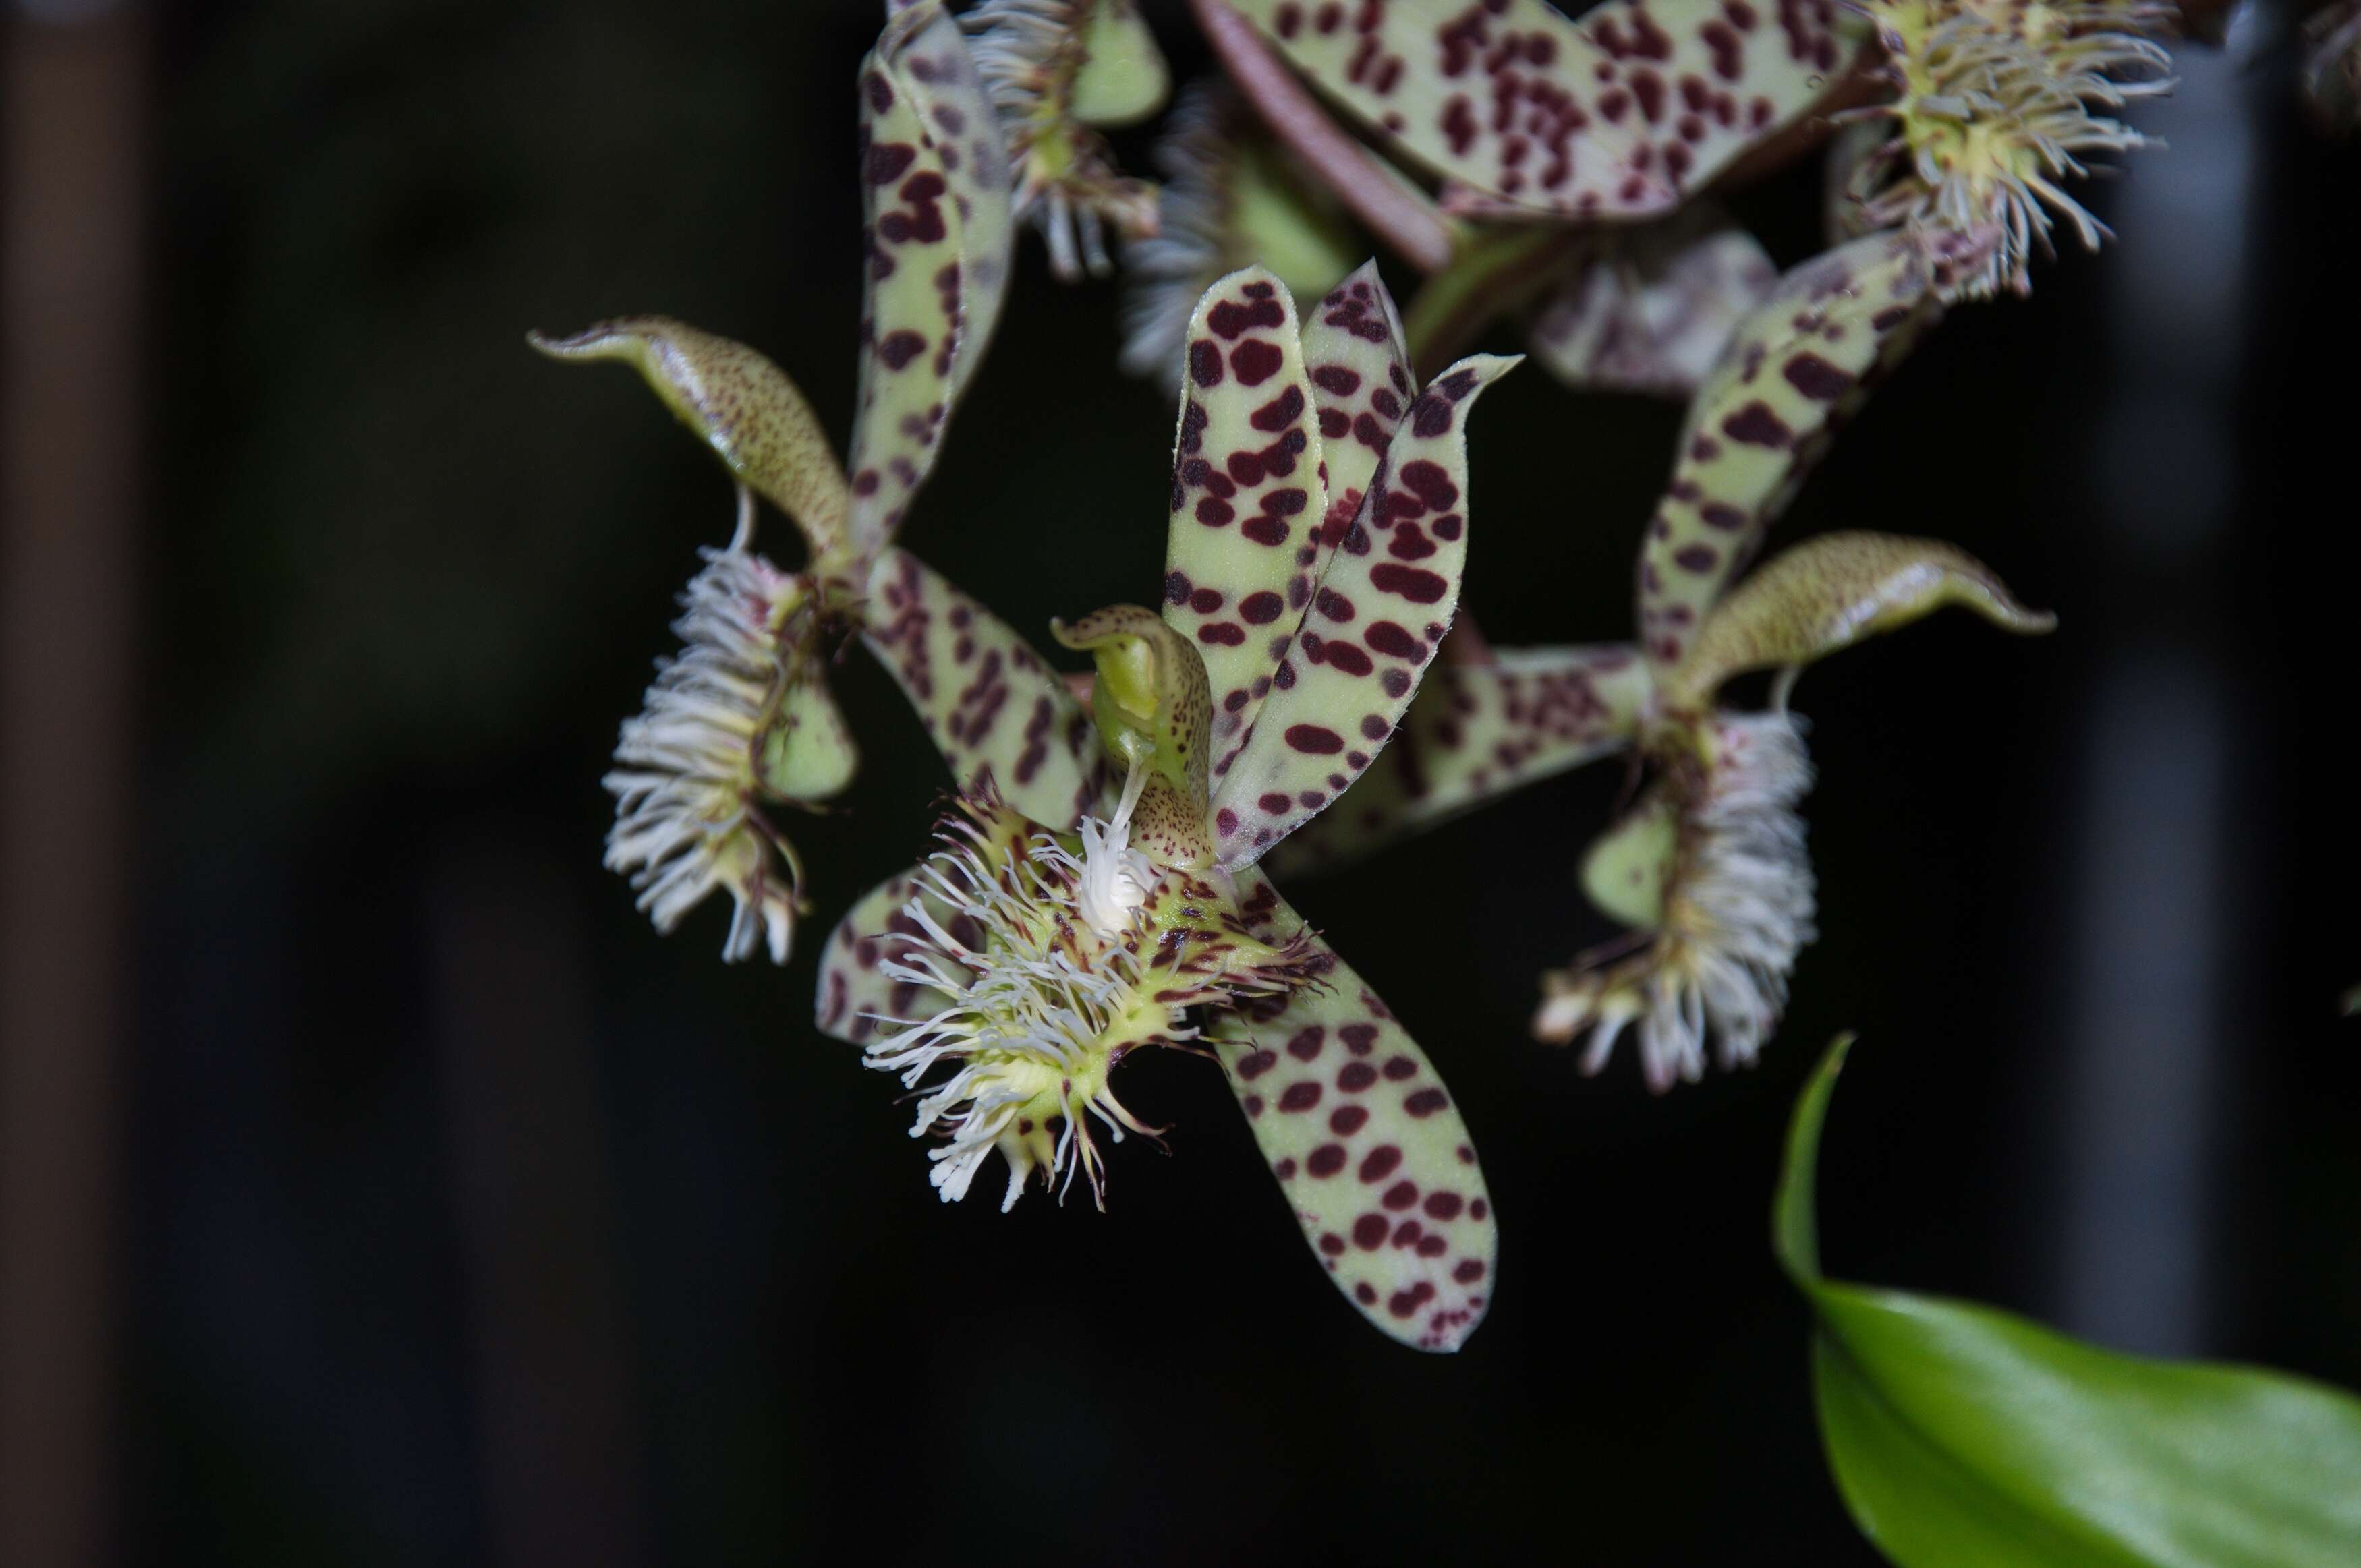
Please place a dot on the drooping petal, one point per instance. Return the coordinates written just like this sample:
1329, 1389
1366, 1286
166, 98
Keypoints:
1359, 366
1367, 1146
1247, 495
1619, 116
1475, 732
934, 184
1800, 365
854, 990
739, 403
1374, 623
1650, 310
987, 699
1829, 593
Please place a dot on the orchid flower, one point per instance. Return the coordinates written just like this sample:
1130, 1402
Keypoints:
1709, 869
1318, 528
1993, 103
741, 723
2330, 74
1059, 72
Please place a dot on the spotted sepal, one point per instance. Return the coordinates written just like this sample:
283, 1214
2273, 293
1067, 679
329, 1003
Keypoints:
1650, 310
987, 699
853, 994
1247, 492
1359, 362
935, 213
1368, 1145
739, 403
1619, 116
1477, 733
1799, 366
1373, 625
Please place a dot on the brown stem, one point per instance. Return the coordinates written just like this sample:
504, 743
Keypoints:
1404, 222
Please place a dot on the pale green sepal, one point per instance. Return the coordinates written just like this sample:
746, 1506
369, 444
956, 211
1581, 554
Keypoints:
1625, 868
739, 403
853, 994
1123, 78
1964, 1437
1829, 593
1369, 1149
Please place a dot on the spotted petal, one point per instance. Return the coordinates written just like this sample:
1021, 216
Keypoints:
935, 182
1247, 496
1359, 366
1619, 116
1802, 363
739, 403
986, 697
1367, 1146
1373, 624
854, 994
1477, 733
1828, 593
1650, 310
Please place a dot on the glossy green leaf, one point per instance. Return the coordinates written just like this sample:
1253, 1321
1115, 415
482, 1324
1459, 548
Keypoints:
1619, 116
1369, 1148
1376, 617
1475, 732
1799, 366
1963, 1437
987, 699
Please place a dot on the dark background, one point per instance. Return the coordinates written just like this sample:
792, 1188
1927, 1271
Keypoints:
466, 1220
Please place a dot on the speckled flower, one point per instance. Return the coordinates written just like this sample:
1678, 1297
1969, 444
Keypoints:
1708, 873
1996, 102
1318, 528
1059, 72
741, 723
1233, 197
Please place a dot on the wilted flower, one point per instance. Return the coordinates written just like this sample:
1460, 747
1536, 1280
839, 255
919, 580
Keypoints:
1309, 581
1059, 71
1708, 871
1996, 102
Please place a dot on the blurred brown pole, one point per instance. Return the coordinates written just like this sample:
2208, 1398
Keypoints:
72, 153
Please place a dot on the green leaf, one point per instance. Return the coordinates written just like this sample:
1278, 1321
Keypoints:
1963, 1437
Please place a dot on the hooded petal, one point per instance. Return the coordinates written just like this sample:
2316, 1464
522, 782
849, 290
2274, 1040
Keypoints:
1360, 367
986, 697
1650, 310
1369, 1148
739, 403
1799, 366
934, 184
1829, 593
1475, 732
1373, 624
1247, 495
1619, 116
